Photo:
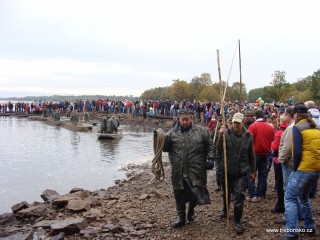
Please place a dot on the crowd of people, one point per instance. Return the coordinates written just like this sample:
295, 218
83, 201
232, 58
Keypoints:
255, 137
204, 110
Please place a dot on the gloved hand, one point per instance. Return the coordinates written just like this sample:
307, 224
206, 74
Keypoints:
167, 144
155, 133
210, 164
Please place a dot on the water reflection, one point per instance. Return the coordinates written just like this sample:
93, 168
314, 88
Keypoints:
109, 148
36, 156
74, 139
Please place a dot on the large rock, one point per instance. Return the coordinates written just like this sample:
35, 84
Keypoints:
49, 195
80, 194
93, 214
112, 197
34, 211
7, 218
19, 206
63, 201
45, 223
101, 194
76, 189
78, 205
93, 201
69, 226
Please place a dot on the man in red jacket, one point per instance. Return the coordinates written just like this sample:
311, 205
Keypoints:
263, 134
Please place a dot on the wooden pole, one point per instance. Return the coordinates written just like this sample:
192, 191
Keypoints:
240, 75
227, 83
224, 143
215, 133
219, 72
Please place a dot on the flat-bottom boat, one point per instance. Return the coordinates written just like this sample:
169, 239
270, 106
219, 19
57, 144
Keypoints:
110, 135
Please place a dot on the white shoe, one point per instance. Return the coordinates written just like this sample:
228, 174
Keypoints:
249, 199
256, 199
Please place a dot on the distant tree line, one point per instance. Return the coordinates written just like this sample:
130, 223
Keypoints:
202, 88
57, 98
280, 90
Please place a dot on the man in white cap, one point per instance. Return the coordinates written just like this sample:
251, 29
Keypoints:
241, 161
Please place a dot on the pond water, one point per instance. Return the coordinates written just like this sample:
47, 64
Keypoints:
35, 156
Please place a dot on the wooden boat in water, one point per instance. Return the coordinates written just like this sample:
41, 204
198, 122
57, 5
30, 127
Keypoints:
110, 135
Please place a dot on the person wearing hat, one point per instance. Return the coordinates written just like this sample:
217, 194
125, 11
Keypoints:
191, 154
229, 122
240, 162
306, 172
248, 118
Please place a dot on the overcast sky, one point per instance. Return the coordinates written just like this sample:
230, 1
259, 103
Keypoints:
123, 47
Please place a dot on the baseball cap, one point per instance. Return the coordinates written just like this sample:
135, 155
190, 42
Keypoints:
185, 113
237, 117
300, 109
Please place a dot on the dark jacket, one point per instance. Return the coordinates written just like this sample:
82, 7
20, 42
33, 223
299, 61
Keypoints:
188, 154
240, 155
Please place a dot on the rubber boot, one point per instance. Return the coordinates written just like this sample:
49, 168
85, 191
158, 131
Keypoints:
181, 209
237, 219
181, 216
223, 213
219, 181
191, 215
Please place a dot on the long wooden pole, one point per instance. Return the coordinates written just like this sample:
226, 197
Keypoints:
227, 83
219, 73
240, 75
224, 143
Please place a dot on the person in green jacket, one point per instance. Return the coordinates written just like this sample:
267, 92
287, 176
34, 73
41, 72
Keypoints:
191, 154
240, 161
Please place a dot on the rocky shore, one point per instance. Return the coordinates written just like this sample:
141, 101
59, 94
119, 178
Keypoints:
136, 209
94, 118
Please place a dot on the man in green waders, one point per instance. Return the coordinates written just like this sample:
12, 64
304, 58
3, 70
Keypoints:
191, 154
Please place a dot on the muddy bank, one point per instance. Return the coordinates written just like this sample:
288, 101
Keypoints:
136, 209
148, 124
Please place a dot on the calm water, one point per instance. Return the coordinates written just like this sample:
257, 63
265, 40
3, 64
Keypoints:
35, 156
